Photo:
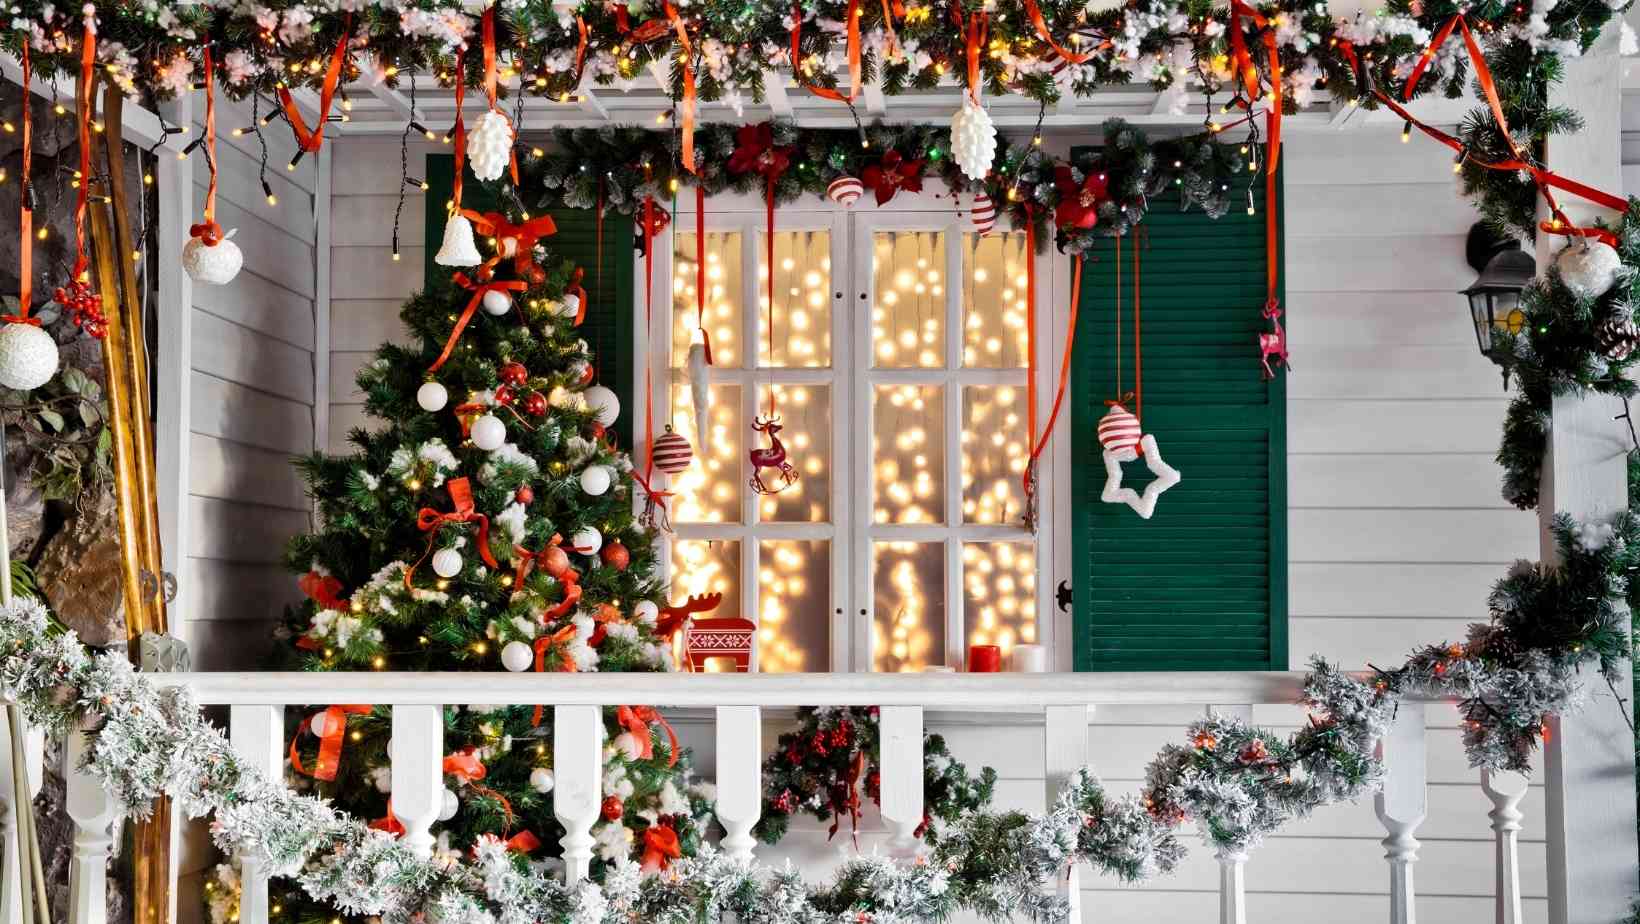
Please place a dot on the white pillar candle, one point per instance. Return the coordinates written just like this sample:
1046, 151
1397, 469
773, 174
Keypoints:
1030, 659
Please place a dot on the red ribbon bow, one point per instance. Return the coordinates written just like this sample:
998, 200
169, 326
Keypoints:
478, 289
637, 720
558, 642
524, 236
330, 743
428, 520
524, 842
465, 766
323, 589
660, 847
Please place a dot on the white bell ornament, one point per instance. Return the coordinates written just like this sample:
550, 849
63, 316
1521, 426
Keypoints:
459, 248
432, 396
488, 433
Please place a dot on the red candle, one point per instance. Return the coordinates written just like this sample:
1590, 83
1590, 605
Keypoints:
984, 659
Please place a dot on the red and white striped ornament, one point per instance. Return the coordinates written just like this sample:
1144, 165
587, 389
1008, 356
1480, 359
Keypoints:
1119, 433
672, 453
844, 190
983, 215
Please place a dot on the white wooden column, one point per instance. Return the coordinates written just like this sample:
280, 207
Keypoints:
93, 812
901, 729
1588, 759
173, 368
1402, 804
577, 763
417, 756
11, 899
739, 777
1506, 790
1232, 863
257, 733
1064, 752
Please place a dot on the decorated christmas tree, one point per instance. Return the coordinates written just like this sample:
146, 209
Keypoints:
487, 523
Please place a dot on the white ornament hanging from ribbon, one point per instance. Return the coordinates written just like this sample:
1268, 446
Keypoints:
209, 264
459, 248
699, 385
1589, 267
28, 356
1143, 504
844, 191
489, 146
983, 215
973, 139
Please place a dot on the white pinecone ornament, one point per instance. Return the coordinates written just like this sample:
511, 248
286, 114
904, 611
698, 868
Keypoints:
489, 145
973, 140
1617, 338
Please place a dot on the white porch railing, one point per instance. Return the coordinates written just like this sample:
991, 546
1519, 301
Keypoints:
257, 702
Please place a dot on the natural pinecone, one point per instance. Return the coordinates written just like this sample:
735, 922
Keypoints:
1617, 338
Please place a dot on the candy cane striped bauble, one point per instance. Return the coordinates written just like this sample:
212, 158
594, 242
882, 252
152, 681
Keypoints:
983, 215
844, 190
1119, 433
672, 453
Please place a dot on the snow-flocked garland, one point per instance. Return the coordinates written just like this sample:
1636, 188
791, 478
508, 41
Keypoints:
1237, 782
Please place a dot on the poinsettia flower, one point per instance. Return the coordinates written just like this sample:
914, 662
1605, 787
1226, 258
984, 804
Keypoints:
756, 152
1078, 202
893, 174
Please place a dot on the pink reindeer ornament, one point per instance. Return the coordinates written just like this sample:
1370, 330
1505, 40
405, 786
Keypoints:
1273, 343
773, 456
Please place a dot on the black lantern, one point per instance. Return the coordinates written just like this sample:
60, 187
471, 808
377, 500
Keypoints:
1494, 297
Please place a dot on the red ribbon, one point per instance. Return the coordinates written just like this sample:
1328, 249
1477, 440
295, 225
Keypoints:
330, 743
478, 289
428, 520
25, 218
310, 139
458, 131
845, 798
524, 842
1272, 157
208, 230
324, 590
1041, 442
1429, 56
660, 847
491, 79
853, 17
465, 766
85, 94
579, 291
556, 642
1034, 14
686, 106
979, 25
637, 720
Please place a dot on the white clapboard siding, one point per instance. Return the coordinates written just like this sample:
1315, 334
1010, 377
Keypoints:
253, 393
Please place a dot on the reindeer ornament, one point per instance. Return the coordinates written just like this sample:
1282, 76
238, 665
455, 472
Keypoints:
773, 456
1273, 343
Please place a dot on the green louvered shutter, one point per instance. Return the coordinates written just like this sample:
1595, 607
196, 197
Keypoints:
608, 324
1202, 585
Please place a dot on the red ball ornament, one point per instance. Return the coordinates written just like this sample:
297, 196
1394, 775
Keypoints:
504, 395
613, 808
554, 561
515, 374
616, 556
536, 275
596, 429
535, 404
525, 495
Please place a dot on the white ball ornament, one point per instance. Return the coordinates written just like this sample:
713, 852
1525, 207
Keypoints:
569, 306
432, 396
447, 563
496, 302
1589, 268
517, 657
973, 140
488, 433
628, 746
317, 724
489, 146
28, 356
587, 541
603, 403
646, 611
596, 479
541, 780
448, 806
212, 265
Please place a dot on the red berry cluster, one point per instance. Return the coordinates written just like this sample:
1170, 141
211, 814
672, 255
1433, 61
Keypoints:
84, 307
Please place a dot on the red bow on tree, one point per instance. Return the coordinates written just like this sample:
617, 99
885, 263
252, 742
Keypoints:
636, 720
1078, 202
323, 589
660, 846
756, 152
893, 174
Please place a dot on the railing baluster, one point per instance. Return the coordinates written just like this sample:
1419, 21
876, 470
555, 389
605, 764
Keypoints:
1232, 862
11, 898
1401, 806
1506, 790
1065, 750
257, 733
902, 784
417, 757
739, 777
577, 755
93, 812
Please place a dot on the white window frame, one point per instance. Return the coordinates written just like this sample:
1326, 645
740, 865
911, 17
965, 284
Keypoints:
851, 530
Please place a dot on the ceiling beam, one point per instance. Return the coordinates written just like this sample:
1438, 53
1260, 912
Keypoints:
376, 79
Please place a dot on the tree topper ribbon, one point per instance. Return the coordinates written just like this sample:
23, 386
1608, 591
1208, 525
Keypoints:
524, 236
330, 743
478, 289
637, 720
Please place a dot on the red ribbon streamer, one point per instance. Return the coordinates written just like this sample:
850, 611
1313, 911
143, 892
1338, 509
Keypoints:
555, 642
208, 230
1041, 442
1429, 55
686, 106
310, 139
85, 94
979, 25
1034, 13
853, 17
330, 743
478, 289
579, 291
458, 132
389, 822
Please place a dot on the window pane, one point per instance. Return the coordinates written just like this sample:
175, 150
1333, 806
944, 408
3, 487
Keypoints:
802, 299
994, 301
794, 606
999, 593
993, 454
705, 566
908, 478
722, 297
908, 319
708, 491
805, 419
908, 593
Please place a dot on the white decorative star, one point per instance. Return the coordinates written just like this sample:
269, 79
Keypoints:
1144, 505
